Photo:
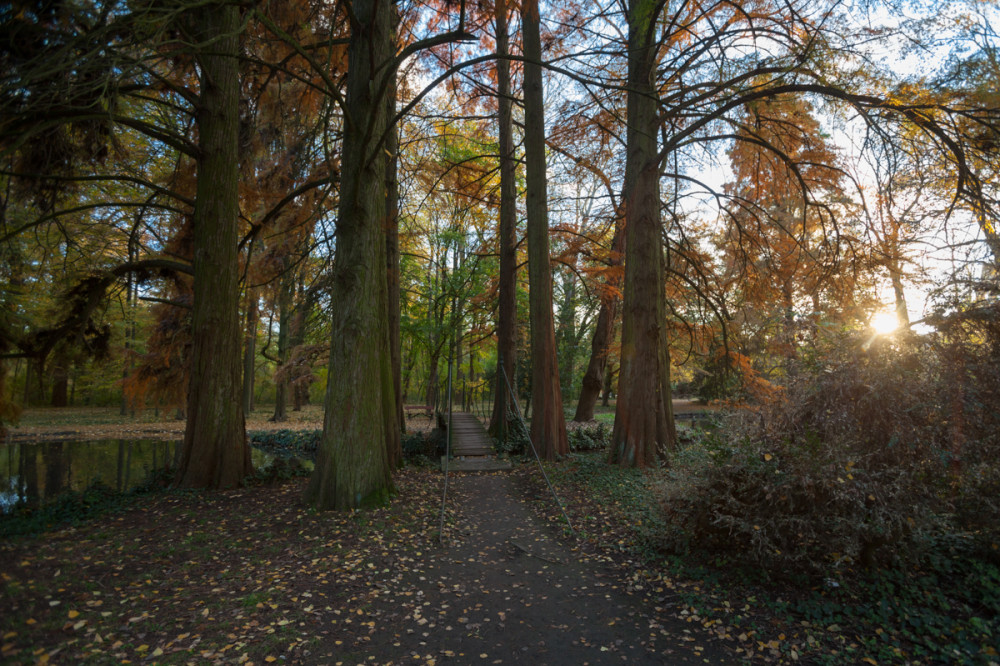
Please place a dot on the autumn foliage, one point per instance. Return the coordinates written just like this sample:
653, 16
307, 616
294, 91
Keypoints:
883, 446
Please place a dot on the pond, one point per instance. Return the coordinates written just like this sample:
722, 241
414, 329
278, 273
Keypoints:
37, 472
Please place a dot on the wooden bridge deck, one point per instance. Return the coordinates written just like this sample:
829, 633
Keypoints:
471, 446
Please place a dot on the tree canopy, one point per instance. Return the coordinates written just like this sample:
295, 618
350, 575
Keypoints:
294, 198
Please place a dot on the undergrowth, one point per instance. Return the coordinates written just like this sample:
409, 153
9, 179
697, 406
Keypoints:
74, 507
945, 610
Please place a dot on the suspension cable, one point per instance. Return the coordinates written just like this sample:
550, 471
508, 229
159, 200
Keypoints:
447, 447
527, 434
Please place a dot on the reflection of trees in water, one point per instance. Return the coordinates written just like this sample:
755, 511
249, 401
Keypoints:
56, 458
40, 472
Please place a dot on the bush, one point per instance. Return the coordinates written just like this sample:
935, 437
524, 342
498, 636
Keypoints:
867, 458
590, 437
298, 443
516, 443
417, 445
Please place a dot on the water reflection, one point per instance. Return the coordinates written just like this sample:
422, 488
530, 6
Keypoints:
33, 473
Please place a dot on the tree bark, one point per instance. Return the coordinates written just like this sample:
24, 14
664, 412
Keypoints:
395, 450
507, 241
215, 451
643, 419
302, 377
548, 425
902, 312
352, 465
60, 380
593, 378
250, 351
286, 291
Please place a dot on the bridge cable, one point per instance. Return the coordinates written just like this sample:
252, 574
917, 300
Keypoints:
527, 435
447, 446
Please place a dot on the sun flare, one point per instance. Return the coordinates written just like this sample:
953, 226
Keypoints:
884, 322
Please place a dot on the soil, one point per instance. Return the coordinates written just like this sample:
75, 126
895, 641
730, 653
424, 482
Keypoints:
253, 576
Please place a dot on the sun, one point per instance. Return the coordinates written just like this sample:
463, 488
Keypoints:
884, 322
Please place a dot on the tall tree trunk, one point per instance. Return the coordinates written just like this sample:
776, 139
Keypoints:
352, 465
215, 451
643, 425
593, 378
301, 378
609, 376
411, 360
286, 292
60, 380
548, 425
566, 336
432, 378
902, 312
129, 327
395, 450
507, 242
34, 381
250, 351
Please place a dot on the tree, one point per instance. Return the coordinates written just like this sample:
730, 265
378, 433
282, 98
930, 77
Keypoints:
215, 453
643, 419
548, 423
352, 464
506, 239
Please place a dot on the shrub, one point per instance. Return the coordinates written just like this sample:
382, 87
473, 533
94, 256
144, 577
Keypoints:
418, 445
867, 457
594, 436
300, 443
516, 443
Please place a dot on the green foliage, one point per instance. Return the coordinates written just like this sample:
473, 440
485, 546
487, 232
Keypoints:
517, 442
285, 443
281, 469
590, 437
420, 448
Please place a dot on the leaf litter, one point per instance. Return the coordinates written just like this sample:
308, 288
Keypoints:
252, 576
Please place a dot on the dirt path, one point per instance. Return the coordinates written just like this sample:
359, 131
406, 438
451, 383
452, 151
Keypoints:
505, 590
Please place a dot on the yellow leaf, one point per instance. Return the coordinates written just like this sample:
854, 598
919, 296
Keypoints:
767, 456
73, 614
869, 660
269, 659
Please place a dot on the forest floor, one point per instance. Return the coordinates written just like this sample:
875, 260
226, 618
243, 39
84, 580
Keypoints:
254, 576
90, 423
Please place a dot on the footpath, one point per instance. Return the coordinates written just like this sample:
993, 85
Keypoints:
505, 589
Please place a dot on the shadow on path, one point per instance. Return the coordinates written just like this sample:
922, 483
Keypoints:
504, 589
